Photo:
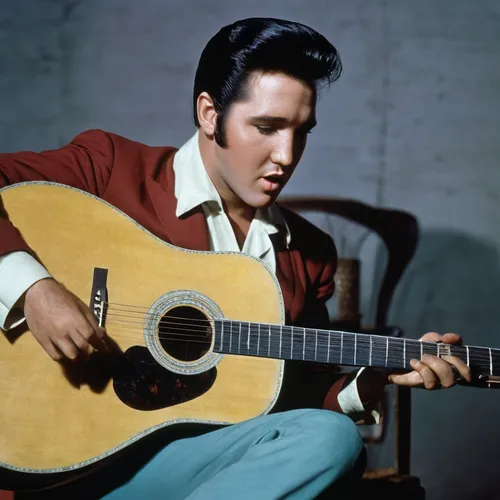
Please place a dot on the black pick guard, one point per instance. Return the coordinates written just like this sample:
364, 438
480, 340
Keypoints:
143, 384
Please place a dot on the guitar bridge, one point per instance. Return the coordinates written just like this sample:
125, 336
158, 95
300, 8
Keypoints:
99, 295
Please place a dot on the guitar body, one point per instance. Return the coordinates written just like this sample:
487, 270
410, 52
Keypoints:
57, 417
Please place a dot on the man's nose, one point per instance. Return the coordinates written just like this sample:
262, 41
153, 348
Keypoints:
284, 151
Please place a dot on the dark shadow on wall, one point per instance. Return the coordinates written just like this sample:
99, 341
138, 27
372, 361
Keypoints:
453, 285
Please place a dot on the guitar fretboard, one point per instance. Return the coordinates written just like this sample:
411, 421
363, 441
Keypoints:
341, 348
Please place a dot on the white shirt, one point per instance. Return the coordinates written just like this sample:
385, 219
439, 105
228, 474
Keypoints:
193, 187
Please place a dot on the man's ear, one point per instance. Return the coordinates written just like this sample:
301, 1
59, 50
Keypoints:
207, 116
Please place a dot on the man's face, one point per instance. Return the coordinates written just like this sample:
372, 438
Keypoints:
266, 135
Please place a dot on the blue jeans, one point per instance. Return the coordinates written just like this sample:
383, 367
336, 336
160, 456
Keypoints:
294, 455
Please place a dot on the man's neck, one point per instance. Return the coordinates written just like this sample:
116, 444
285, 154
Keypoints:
240, 219
238, 211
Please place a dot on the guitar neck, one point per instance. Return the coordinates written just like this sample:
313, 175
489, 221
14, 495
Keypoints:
342, 348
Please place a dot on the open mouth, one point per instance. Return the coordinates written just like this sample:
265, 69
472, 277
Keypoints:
272, 182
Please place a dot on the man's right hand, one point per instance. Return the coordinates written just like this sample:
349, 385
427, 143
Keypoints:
62, 324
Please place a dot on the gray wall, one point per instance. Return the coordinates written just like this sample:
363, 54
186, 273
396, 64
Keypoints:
413, 123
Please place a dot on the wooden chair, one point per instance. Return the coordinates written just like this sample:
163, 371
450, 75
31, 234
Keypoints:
399, 232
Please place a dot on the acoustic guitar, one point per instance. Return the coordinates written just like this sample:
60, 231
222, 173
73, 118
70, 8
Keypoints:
193, 337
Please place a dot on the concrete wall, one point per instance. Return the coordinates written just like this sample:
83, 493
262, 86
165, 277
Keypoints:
413, 123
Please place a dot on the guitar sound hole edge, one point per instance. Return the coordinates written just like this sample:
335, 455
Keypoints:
179, 332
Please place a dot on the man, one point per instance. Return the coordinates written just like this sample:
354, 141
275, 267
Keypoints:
254, 101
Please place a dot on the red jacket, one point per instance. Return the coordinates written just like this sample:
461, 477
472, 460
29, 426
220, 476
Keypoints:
139, 180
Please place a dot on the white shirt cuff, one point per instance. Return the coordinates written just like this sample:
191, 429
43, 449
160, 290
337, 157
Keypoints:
348, 397
18, 272
350, 402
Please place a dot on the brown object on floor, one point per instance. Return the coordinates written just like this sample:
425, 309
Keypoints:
387, 484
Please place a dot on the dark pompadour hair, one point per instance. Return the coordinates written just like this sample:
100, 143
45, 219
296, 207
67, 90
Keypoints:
260, 44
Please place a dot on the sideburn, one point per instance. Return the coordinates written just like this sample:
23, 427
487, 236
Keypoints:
220, 131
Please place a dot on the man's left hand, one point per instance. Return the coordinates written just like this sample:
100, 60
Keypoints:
433, 372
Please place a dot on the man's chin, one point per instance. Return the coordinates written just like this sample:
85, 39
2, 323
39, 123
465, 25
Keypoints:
264, 200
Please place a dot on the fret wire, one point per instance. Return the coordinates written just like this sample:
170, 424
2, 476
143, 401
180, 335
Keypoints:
304, 345
316, 347
328, 350
341, 347
258, 338
386, 350
239, 339
281, 337
491, 363
370, 355
355, 348
404, 352
468, 360
222, 336
269, 346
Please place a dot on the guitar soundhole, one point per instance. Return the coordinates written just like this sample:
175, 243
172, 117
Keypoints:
185, 333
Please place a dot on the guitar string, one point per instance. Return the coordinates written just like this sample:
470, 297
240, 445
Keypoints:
205, 322
377, 359
407, 343
361, 336
137, 315
377, 336
395, 353
196, 329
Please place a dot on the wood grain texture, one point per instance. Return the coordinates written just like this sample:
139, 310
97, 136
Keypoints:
47, 423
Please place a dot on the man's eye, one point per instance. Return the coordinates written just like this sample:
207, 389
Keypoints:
265, 130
